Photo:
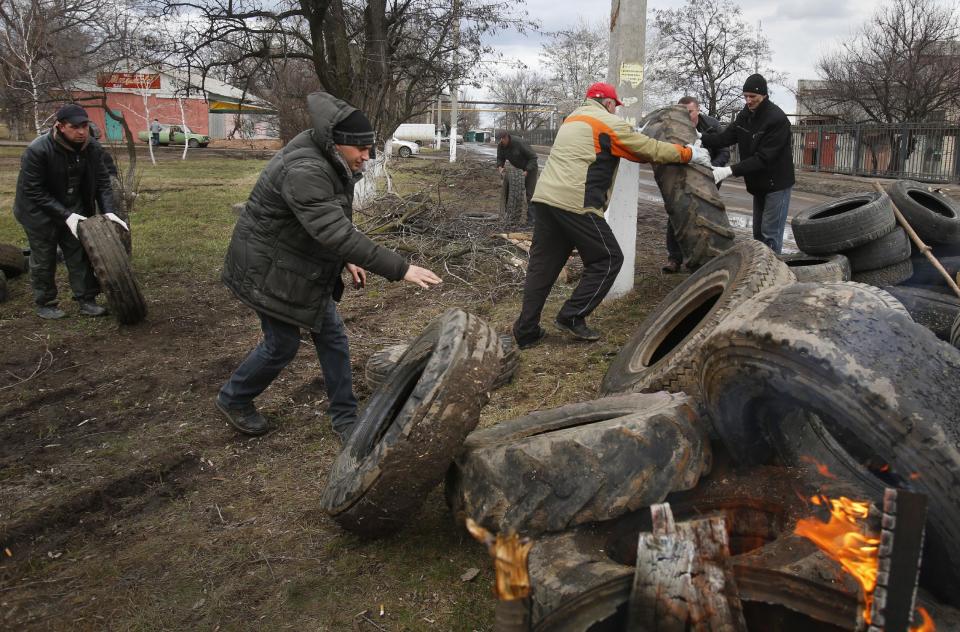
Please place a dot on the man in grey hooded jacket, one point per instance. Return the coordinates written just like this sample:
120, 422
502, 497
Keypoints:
288, 250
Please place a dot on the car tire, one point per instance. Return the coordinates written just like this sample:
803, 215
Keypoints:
882, 252
890, 275
404, 152
382, 362
843, 224
412, 428
934, 216
934, 310
193, 143
694, 206
585, 462
817, 268
661, 353
12, 261
891, 404
111, 265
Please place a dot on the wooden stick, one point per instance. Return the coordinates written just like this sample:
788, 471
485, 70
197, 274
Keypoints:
924, 248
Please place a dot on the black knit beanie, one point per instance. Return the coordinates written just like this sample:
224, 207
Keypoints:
354, 130
755, 84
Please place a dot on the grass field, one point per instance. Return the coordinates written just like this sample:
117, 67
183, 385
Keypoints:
127, 504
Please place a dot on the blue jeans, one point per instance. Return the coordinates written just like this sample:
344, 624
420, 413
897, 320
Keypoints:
279, 347
770, 217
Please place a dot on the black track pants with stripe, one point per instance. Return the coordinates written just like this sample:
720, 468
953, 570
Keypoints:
555, 234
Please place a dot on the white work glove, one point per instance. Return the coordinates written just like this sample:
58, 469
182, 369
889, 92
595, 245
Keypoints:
114, 218
721, 173
700, 156
73, 221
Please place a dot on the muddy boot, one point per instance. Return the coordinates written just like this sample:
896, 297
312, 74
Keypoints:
89, 308
246, 419
343, 431
50, 312
577, 328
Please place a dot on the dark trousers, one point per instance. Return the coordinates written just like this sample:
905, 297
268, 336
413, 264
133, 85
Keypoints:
279, 347
530, 184
770, 217
155, 138
43, 264
555, 234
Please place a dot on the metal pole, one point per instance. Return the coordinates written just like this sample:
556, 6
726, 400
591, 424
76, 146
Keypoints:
438, 134
628, 22
453, 86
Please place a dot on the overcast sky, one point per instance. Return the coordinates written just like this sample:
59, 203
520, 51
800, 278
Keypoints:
799, 32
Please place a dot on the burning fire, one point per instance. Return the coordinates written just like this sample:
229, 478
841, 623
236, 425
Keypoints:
846, 540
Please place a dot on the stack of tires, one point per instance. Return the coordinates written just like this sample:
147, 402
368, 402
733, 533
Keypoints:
857, 237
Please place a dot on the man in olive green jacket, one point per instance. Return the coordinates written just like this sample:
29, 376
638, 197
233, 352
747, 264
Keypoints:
569, 203
289, 246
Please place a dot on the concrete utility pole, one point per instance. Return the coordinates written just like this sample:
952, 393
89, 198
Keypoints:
453, 85
439, 127
628, 28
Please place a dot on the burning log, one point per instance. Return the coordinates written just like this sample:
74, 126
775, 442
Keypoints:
512, 587
682, 579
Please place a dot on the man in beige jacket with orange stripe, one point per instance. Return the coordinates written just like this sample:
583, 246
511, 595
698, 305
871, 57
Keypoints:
570, 199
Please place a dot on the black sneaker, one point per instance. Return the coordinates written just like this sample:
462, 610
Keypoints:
89, 308
50, 312
530, 341
578, 329
344, 431
246, 419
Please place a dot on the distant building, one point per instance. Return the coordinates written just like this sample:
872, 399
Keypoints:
209, 107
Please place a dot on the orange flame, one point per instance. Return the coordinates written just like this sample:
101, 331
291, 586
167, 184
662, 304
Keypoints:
821, 467
846, 540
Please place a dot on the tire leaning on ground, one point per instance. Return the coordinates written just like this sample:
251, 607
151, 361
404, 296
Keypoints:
817, 268
380, 364
936, 311
411, 429
882, 385
882, 252
844, 223
696, 211
585, 462
934, 216
660, 355
513, 198
12, 261
111, 265
891, 275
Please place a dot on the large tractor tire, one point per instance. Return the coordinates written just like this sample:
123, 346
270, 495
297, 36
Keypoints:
661, 354
513, 197
412, 428
879, 383
696, 211
585, 462
111, 265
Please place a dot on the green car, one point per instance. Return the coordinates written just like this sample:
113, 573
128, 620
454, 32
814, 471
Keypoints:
175, 135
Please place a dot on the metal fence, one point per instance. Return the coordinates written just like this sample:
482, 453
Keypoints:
533, 137
919, 151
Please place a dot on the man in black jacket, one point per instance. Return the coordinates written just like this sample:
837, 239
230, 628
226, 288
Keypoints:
762, 133
719, 157
519, 154
285, 258
62, 181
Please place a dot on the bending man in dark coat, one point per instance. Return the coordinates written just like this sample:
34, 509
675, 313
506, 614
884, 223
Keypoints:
762, 133
518, 153
62, 180
285, 259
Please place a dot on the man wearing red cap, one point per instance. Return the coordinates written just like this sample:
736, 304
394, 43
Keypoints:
569, 203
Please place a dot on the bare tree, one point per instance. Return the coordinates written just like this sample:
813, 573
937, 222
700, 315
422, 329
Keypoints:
389, 58
522, 87
903, 65
574, 59
707, 50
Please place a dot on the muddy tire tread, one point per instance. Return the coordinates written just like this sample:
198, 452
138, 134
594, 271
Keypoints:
111, 265
890, 275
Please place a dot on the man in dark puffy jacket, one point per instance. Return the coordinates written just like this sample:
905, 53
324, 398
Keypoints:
290, 244
719, 157
518, 153
62, 181
762, 133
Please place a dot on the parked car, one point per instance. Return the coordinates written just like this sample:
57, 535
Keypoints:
403, 148
419, 133
176, 135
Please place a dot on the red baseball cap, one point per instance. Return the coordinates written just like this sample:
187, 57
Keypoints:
603, 91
